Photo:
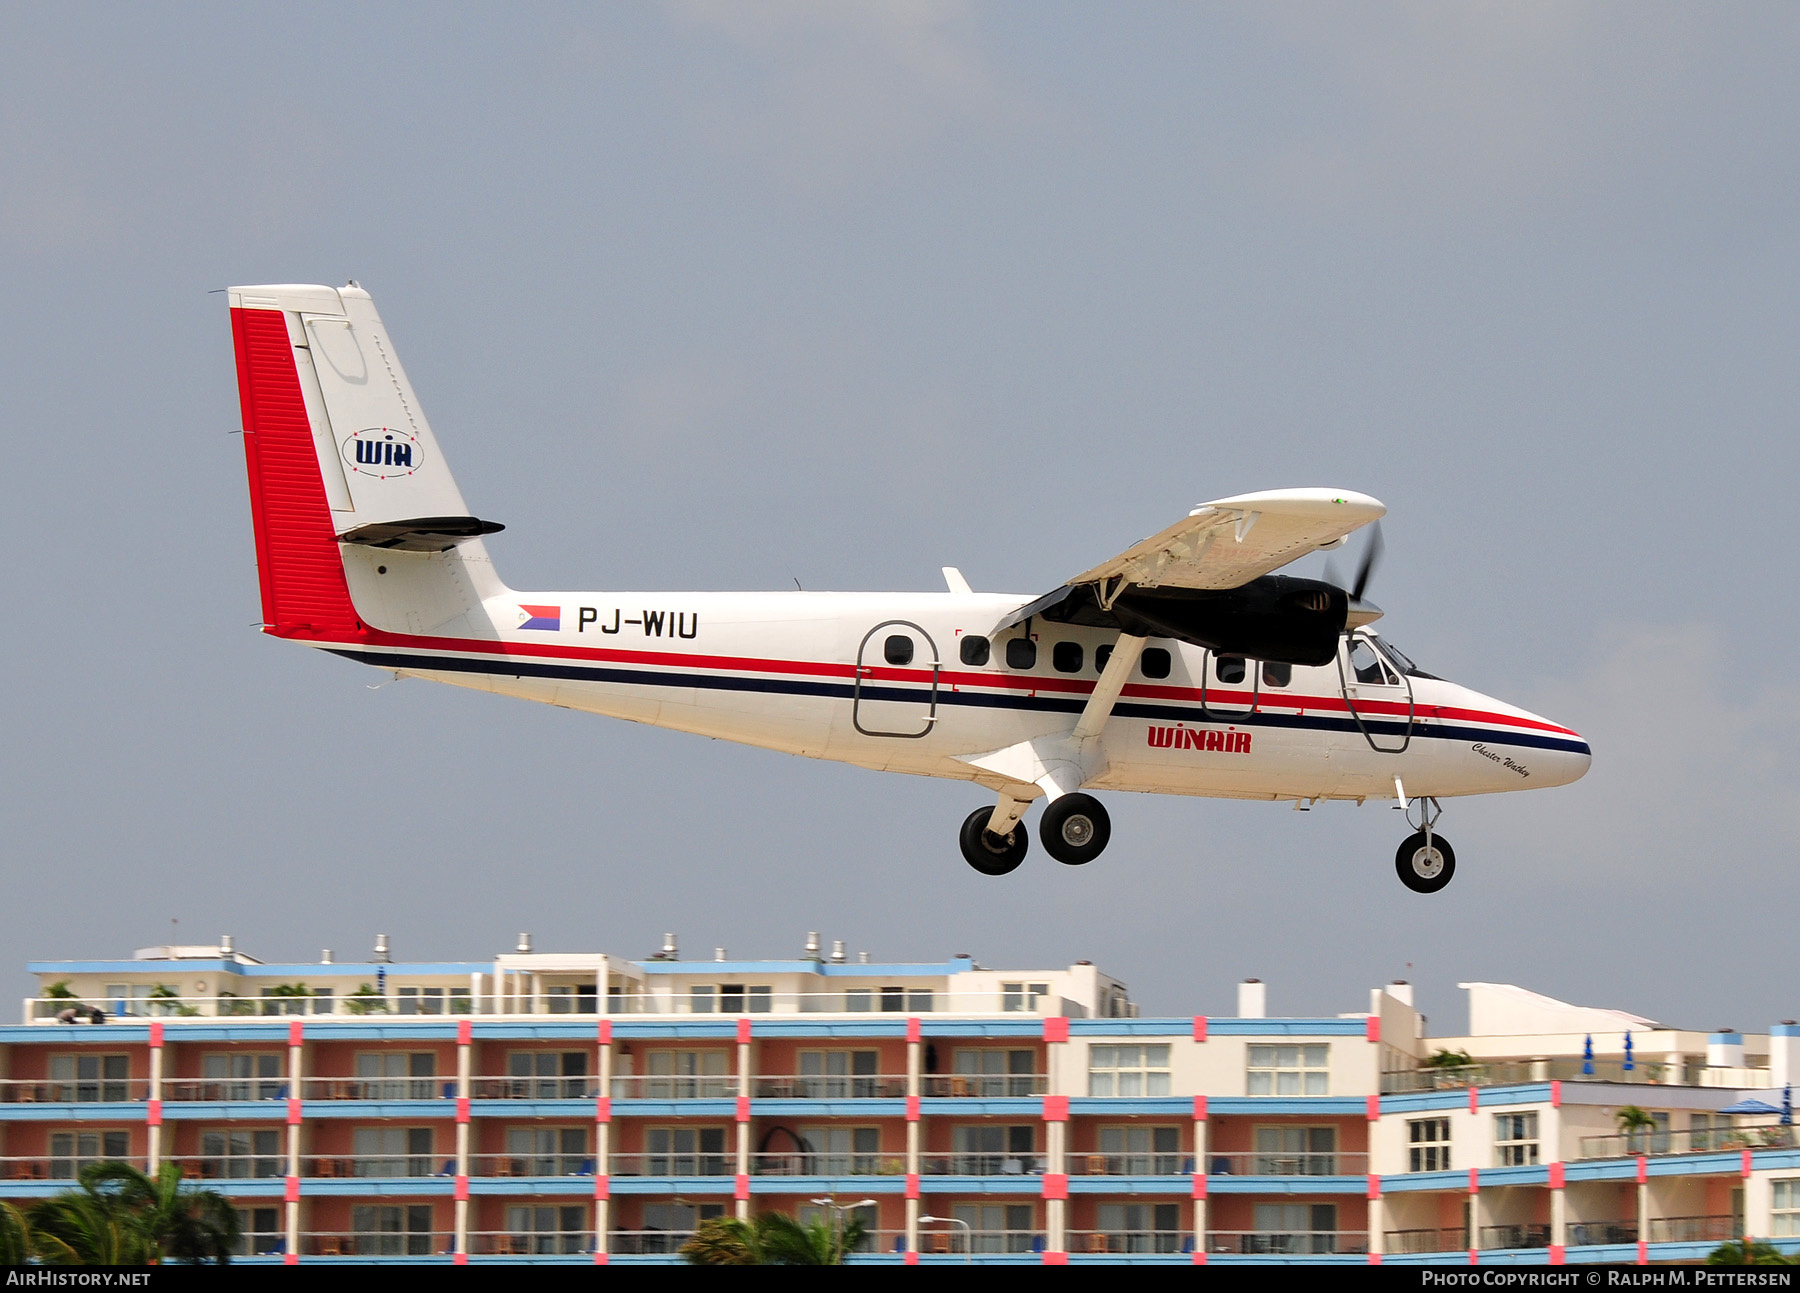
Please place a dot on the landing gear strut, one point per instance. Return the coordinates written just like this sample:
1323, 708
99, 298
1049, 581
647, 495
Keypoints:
1075, 829
1425, 860
989, 853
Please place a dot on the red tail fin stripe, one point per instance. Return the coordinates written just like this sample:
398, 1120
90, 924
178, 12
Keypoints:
301, 573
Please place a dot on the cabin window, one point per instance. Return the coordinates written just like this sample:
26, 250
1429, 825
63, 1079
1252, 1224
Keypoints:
1277, 675
1229, 668
1066, 657
1101, 656
975, 650
1021, 653
1154, 662
898, 649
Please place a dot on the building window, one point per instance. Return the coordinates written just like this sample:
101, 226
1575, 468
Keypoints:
240, 1076
1140, 1228
1784, 1214
260, 1232
891, 1000
1128, 1070
546, 1075
235, 1154
989, 1072
1515, 1139
536, 1228
1023, 996
393, 1232
1138, 1151
70, 1151
1290, 1070
667, 1226
703, 999
1295, 1151
993, 1228
90, 1079
396, 1075
686, 1151
836, 1075
991, 1149
393, 1151
548, 1151
688, 1075
1293, 1228
842, 1151
1428, 1145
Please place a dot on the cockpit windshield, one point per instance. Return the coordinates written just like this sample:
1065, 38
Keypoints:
1402, 662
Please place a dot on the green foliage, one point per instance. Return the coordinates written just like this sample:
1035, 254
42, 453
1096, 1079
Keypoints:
163, 992
15, 1236
1755, 1253
366, 1001
1631, 1118
1449, 1060
290, 990
59, 991
120, 1217
773, 1239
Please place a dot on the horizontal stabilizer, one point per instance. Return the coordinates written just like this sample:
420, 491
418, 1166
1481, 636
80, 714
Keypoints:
423, 534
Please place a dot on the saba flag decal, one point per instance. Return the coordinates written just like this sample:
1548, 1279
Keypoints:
547, 618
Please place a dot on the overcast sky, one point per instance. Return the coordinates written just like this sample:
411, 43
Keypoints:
704, 296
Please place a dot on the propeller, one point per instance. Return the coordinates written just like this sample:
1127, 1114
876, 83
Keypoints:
1361, 612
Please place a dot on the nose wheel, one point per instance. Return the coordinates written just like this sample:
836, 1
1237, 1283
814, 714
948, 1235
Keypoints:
1425, 861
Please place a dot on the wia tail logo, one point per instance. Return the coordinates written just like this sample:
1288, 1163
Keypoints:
384, 453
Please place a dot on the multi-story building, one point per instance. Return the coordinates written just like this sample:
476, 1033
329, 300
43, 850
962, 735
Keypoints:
594, 1109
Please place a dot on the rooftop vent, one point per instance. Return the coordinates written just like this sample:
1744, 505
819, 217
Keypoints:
1253, 999
862, 958
811, 951
325, 956
718, 954
524, 945
225, 947
381, 948
669, 950
837, 951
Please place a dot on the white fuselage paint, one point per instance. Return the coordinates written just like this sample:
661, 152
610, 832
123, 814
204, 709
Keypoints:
781, 671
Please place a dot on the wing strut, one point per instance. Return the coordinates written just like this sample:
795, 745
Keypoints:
1105, 695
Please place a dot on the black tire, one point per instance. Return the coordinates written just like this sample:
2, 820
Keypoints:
989, 853
1075, 829
1422, 870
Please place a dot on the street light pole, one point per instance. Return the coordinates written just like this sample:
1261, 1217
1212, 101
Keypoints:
837, 1211
968, 1235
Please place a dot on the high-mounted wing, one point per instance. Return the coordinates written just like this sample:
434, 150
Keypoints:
1227, 543
1221, 545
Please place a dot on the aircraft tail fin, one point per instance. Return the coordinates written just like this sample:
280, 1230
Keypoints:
344, 467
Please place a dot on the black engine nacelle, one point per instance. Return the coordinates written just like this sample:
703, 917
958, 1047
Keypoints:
1276, 617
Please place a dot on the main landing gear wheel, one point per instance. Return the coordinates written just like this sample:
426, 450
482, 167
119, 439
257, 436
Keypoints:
988, 853
1425, 867
1075, 829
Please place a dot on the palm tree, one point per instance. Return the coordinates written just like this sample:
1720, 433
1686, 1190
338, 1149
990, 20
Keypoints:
773, 1239
1632, 1121
15, 1236
1753, 1253
121, 1217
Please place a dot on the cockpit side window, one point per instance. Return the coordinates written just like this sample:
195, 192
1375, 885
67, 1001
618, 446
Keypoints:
1366, 664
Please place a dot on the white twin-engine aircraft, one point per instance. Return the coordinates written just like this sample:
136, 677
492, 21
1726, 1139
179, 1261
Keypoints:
1180, 666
